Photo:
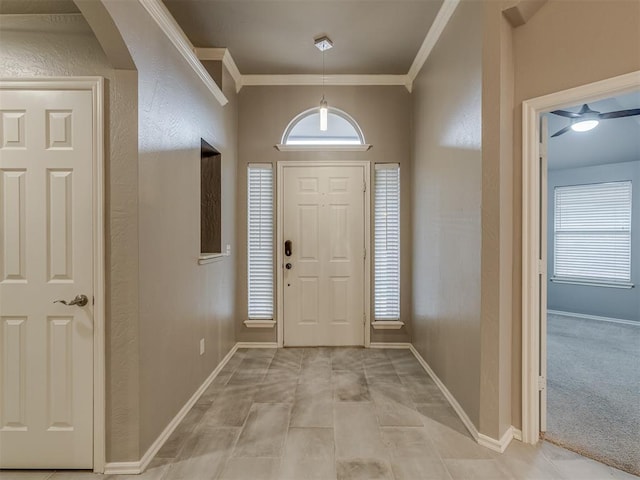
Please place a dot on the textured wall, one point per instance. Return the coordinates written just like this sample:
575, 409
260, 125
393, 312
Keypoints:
552, 53
497, 215
446, 214
383, 113
591, 300
180, 301
63, 45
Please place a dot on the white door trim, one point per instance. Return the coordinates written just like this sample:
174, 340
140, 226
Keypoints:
280, 240
531, 110
96, 86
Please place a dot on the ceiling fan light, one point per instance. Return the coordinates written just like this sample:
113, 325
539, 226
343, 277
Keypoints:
584, 125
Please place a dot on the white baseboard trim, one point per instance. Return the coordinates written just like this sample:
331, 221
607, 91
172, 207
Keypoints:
484, 440
256, 345
594, 317
396, 345
517, 433
123, 468
134, 468
496, 445
445, 391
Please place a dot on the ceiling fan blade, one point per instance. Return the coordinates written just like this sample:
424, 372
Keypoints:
561, 132
620, 114
564, 113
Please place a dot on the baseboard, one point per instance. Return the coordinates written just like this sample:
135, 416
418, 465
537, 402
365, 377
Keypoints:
594, 317
496, 445
445, 391
517, 433
484, 440
123, 468
133, 468
396, 345
256, 345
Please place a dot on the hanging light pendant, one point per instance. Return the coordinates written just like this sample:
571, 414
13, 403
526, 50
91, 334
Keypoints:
323, 44
324, 113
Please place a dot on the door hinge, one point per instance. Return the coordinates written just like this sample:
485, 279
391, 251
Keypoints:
364, 187
539, 267
365, 254
364, 318
93, 300
542, 383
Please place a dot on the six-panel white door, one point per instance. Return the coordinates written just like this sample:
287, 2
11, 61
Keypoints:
46, 254
324, 286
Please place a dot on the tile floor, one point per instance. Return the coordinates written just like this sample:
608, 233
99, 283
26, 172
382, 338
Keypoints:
335, 413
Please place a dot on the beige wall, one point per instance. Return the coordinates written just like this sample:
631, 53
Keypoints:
64, 45
497, 214
180, 301
566, 44
446, 213
383, 113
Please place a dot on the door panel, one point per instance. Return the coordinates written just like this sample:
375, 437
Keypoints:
46, 250
324, 289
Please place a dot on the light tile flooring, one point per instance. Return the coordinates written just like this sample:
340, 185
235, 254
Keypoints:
341, 413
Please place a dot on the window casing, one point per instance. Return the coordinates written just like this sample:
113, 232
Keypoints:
387, 242
592, 232
260, 241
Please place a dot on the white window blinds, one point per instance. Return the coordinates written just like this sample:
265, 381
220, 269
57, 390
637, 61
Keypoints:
387, 242
592, 237
260, 241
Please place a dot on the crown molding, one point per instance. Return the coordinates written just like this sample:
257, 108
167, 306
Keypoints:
213, 54
343, 80
433, 35
174, 33
222, 55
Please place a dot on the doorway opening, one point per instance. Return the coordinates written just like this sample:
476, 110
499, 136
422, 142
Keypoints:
593, 311
578, 347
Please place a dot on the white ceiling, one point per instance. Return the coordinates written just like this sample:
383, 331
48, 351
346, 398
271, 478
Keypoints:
276, 37
612, 141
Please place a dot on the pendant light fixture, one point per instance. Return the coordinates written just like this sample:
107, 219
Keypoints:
323, 44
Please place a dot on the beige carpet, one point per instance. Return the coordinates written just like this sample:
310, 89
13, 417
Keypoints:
594, 389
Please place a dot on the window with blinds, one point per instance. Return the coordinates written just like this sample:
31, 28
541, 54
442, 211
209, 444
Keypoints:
592, 232
260, 241
387, 242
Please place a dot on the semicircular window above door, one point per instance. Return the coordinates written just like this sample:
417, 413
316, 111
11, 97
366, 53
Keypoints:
342, 132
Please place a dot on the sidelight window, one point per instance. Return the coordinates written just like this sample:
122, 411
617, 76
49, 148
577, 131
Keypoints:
387, 242
260, 241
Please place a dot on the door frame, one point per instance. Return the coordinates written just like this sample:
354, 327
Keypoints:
281, 165
531, 230
96, 86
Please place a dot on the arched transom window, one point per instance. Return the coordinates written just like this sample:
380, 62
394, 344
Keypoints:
304, 130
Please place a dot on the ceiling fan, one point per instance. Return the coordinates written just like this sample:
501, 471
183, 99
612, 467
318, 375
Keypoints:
586, 119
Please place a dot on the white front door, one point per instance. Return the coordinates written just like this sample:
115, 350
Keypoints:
46, 254
324, 273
